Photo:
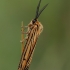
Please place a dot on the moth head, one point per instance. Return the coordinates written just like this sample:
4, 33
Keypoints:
36, 25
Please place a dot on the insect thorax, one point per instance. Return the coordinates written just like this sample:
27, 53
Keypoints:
37, 25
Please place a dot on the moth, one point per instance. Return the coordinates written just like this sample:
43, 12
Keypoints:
34, 30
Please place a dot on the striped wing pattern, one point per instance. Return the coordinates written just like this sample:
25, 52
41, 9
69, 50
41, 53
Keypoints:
27, 54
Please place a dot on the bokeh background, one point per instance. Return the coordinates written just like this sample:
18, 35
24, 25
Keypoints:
53, 47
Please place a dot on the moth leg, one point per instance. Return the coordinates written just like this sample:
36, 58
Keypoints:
22, 40
22, 37
26, 37
25, 27
24, 32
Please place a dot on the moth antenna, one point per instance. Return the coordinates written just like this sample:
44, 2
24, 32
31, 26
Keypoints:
42, 10
37, 11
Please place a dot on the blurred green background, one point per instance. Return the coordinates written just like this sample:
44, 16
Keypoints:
53, 47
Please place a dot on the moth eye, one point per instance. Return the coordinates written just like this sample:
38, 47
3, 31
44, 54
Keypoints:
34, 21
